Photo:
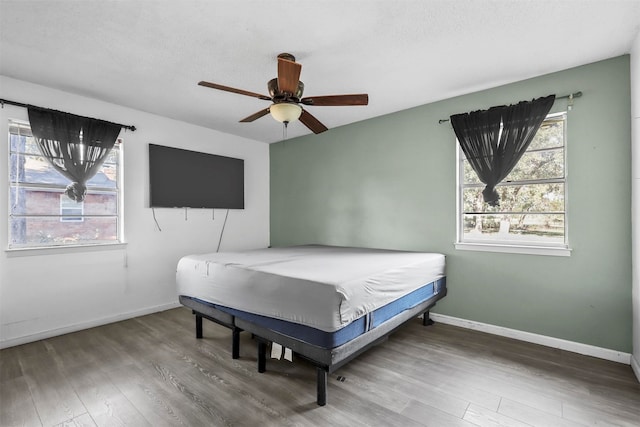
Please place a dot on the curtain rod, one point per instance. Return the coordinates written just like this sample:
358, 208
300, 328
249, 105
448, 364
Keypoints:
20, 104
571, 96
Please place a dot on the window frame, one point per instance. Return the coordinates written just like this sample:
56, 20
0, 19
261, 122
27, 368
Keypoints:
509, 246
117, 191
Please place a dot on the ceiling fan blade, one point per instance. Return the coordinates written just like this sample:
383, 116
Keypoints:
288, 75
312, 123
234, 90
336, 100
255, 116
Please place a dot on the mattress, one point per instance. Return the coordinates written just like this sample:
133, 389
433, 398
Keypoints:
329, 340
322, 287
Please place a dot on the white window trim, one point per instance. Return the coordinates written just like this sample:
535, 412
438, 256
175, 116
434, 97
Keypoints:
508, 247
514, 249
66, 249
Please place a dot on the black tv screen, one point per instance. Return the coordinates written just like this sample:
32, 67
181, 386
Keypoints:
189, 179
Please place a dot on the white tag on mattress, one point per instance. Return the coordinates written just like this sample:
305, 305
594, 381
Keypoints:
288, 354
276, 350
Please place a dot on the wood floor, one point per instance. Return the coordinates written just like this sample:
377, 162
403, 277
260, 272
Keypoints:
151, 371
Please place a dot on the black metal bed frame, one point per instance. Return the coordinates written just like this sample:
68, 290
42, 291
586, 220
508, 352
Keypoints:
326, 360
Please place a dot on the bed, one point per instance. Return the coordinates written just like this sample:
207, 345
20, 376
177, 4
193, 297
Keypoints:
327, 304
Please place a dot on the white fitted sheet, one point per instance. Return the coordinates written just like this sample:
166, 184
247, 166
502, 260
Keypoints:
325, 287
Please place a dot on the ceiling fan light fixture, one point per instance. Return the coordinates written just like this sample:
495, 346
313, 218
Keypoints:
285, 112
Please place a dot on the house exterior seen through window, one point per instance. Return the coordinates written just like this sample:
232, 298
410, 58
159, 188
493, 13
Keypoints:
532, 210
70, 210
41, 215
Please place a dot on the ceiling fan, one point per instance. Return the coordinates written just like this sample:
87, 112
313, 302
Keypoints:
286, 96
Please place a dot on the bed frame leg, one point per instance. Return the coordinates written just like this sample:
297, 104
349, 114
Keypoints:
426, 320
262, 356
235, 344
322, 375
198, 325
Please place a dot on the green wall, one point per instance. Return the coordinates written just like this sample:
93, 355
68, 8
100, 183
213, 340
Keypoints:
390, 182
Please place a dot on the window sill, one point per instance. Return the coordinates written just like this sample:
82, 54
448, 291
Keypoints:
515, 249
50, 250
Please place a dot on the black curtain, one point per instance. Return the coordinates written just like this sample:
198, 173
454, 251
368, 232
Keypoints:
493, 153
75, 146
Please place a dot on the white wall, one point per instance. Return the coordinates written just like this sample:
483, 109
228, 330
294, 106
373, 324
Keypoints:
635, 200
48, 293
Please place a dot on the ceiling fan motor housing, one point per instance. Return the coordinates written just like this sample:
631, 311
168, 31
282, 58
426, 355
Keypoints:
278, 96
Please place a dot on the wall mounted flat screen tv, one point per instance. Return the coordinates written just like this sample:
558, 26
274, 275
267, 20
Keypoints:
188, 179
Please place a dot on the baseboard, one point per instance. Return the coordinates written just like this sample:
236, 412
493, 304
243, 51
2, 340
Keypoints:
586, 349
635, 365
86, 325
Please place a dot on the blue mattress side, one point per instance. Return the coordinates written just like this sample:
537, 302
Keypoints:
354, 329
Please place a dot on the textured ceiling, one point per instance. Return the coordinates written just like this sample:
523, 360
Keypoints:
150, 55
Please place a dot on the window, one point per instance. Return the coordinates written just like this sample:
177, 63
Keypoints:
70, 210
531, 217
41, 215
